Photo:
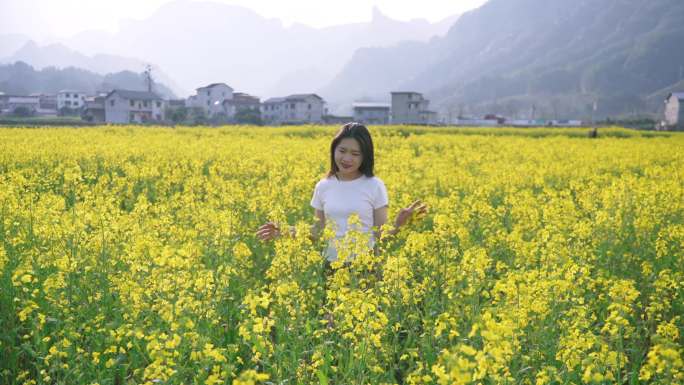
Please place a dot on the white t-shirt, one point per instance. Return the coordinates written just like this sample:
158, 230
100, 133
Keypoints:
339, 199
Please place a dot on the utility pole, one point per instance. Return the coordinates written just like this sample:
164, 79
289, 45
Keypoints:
534, 111
594, 131
148, 77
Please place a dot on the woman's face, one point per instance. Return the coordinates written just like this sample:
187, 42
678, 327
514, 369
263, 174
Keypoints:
348, 158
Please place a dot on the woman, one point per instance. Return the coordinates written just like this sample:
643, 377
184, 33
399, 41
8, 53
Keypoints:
350, 188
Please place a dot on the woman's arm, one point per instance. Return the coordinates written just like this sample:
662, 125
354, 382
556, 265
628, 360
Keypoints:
380, 216
270, 230
379, 219
318, 226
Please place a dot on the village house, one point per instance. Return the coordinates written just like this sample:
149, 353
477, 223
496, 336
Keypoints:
3, 102
94, 109
48, 104
294, 109
210, 98
177, 111
411, 108
337, 119
20, 105
241, 102
674, 111
35, 104
371, 113
270, 110
70, 100
125, 106
176, 103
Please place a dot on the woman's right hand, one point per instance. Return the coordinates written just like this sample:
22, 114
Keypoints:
268, 232
416, 208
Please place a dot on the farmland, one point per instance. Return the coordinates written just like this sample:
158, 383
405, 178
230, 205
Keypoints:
128, 256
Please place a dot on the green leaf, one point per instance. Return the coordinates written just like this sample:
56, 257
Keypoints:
322, 377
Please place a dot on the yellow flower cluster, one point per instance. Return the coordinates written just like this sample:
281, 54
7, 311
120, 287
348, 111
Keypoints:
128, 255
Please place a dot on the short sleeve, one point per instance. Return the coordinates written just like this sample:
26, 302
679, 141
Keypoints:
317, 200
380, 198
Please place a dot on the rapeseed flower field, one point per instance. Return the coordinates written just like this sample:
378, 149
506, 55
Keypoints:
128, 256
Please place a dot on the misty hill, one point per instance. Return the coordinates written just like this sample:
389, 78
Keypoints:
60, 56
10, 43
558, 55
201, 42
22, 79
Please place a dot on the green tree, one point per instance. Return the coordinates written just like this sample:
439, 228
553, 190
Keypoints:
248, 116
23, 112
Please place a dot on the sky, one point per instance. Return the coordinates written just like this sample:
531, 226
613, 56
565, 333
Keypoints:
49, 19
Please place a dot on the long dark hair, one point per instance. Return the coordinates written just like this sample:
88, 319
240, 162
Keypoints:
359, 132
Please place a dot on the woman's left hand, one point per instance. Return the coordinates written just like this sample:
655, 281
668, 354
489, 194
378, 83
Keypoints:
405, 214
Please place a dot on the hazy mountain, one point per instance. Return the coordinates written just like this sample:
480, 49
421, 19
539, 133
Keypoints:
22, 79
205, 42
10, 43
559, 55
60, 56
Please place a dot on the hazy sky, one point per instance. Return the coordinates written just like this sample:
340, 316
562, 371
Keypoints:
45, 19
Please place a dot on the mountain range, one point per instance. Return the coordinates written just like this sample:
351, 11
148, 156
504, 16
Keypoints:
518, 57
20, 78
60, 56
202, 42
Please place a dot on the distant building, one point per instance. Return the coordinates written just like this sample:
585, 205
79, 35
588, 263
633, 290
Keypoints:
336, 119
564, 123
526, 122
48, 103
270, 110
29, 105
475, 122
241, 102
411, 108
35, 104
294, 109
94, 109
674, 111
210, 98
3, 102
70, 99
371, 113
125, 106
175, 103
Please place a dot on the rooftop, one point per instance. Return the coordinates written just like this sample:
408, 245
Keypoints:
292, 98
274, 100
137, 95
214, 85
370, 105
302, 96
70, 91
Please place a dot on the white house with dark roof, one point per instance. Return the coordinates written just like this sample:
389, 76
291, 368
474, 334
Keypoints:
125, 106
294, 109
210, 98
371, 112
270, 110
70, 99
674, 111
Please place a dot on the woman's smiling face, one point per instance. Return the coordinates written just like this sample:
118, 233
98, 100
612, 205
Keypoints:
348, 158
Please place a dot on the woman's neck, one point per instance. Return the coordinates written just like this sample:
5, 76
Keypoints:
348, 177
